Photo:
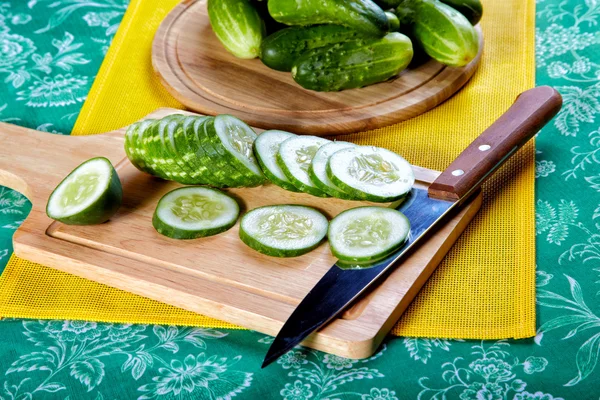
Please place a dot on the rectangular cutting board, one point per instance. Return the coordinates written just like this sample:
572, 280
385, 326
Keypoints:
217, 276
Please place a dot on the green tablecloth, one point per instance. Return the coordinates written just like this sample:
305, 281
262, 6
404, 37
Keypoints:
50, 51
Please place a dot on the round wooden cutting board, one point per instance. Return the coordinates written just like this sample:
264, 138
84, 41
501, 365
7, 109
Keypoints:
197, 70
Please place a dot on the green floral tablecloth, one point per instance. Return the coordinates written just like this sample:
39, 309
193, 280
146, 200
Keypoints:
50, 51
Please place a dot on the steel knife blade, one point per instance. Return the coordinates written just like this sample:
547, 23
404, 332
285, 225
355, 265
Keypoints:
425, 209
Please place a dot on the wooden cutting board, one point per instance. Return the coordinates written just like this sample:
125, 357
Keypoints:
197, 70
217, 276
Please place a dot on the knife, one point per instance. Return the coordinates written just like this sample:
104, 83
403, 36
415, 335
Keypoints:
425, 209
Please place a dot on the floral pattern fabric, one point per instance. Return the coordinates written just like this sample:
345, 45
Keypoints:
50, 51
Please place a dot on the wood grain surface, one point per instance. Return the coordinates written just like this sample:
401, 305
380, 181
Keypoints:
197, 70
217, 276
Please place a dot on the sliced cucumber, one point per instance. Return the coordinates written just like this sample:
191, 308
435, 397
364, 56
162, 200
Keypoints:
233, 140
266, 147
185, 151
160, 147
371, 173
219, 165
367, 234
294, 158
90, 194
318, 169
284, 230
193, 212
136, 153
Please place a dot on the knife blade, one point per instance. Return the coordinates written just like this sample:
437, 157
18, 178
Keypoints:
425, 209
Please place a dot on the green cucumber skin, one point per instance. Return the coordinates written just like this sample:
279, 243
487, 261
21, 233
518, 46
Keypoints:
275, 180
222, 170
247, 177
103, 208
299, 185
361, 15
445, 34
357, 194
353, 64
238, 25
327, 189
270, 251
159, 148
471, 9
137, 157
185, 150
393, 21
281, 49
175, 233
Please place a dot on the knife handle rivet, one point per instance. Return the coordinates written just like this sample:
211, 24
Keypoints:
484, 147
458, 172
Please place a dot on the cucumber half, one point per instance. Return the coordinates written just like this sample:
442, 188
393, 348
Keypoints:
367, 234
266, 147
295, 156
283, 230
193, 212
371, 173
90, 194
318, 169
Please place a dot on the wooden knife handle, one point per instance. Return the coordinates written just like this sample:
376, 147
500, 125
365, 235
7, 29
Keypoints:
530, 112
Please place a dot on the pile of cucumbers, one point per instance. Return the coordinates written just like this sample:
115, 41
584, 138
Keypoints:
332, 45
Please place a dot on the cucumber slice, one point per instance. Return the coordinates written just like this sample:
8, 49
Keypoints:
185, 151
224, 172
371, 173
90, 194
194, 212
284, 230
266, 147
233, 140
160, 147
146, 138
294, 158
134, 136
318, 169
367, 234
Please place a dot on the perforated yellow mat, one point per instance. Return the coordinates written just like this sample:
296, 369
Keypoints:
485, 288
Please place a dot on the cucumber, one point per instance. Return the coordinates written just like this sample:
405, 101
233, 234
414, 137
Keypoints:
238, 26
371, 173
233, 140
185, 150
266, 147
367, 234
471, 9
444, 33
353, 64
361, 15
146, 140
160, 147
218, 165
294, 158
136, 153
281, 49
283, 230
194, 212
318, 169
393, 21
90, 194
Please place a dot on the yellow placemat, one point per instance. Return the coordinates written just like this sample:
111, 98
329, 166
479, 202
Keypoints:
485, 288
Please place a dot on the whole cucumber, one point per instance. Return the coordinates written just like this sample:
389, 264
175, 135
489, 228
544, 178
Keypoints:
353, 64
362, 15
281, 49
471, 9
445, 34
238, 26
